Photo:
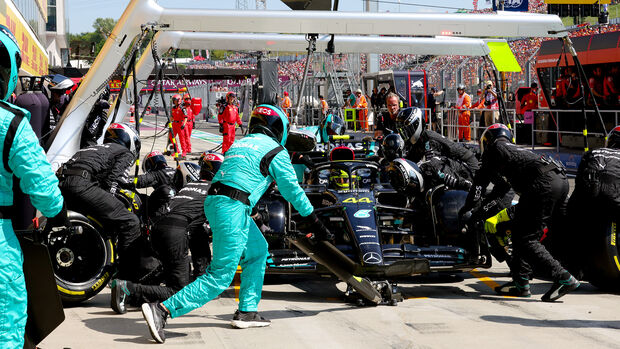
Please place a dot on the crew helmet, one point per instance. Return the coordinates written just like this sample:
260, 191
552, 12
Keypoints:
271, 121
186, 172
10, 62
409, 123
187, 99
613, 138
460, 87
210, 163
340, 180
125, 135
59, 83
405, 176
493, 133
176, 98
393, 146
154, 161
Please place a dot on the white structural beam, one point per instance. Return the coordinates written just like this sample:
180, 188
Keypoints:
502, 24
65, 140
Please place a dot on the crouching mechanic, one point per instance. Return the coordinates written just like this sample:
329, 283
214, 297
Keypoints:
157, 175
542, 187
93, 175
22, 157
171, 242
250, 166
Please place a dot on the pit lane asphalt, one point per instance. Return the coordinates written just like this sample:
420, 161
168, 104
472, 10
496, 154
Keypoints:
441, 311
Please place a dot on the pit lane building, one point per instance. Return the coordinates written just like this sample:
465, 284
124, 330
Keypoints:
28, 20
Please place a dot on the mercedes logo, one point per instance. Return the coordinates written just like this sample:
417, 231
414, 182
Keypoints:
372, 258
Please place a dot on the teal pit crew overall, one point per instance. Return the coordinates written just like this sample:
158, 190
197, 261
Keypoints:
24, 158
235, 235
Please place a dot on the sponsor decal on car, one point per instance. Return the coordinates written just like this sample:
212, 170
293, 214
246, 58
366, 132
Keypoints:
362, 214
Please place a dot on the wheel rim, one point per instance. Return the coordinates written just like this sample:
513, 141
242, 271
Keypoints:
79, 258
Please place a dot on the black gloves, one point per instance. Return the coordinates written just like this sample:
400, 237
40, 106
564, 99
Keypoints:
456, 182
319, 230
182, 126
60, 220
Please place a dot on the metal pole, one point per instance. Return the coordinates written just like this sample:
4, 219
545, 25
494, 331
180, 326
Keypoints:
311, 48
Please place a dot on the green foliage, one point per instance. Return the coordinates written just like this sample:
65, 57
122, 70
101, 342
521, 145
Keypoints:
81, 44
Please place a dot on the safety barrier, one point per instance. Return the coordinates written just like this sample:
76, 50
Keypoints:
565, 127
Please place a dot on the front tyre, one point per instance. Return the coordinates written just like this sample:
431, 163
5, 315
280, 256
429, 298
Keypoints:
83, 263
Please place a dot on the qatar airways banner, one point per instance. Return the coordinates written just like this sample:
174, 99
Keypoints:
513, 5
180, 85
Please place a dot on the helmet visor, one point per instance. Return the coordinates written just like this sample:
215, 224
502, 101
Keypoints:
5, 69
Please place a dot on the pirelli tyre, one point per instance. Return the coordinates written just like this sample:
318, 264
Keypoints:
602, 264
83, 263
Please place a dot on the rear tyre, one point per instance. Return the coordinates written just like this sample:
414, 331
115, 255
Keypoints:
603, 262
83, 263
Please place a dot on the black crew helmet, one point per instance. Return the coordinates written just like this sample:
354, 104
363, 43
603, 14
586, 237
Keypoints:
271, 121
210, 163
493, 133
405, 176
409, 123
125, 135
613, 138
154, 161
393, 146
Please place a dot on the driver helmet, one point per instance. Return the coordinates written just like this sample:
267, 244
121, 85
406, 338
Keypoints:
10, 62
405, 176
210, 163
154, 161
271, 121
493, 133
341, 153
125, 135
340, 180
176, 99
409, 123
186, 172
613, 138
393, 146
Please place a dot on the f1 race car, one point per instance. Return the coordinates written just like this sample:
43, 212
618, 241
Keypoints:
379, 234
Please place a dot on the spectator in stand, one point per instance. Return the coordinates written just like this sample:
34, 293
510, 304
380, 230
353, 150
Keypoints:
362, 109
490, 102
324, 106
609, 87
286, 104
463, 104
